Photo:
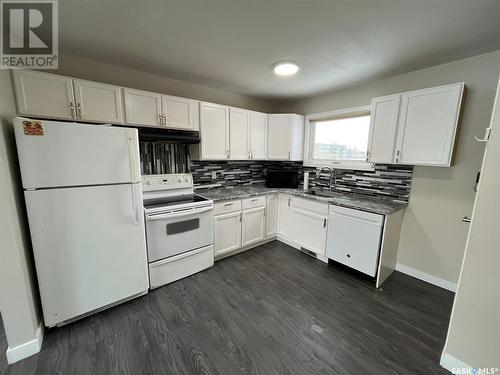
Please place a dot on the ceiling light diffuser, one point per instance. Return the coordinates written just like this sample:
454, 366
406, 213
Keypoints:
286, 68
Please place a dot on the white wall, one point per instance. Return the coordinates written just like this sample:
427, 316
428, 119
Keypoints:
18, 295
433, 236
80, 67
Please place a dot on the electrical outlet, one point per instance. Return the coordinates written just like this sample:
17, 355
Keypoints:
214, 175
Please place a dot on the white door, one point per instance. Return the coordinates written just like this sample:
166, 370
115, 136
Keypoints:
309, 230
253, 226
98, 102
44, 95
271, 215
69, 154
214, 128
383, 128
239, 123
258, 135
142, 107
279, 133
227, 229
89, 247
284, 216
354, 239
179, 113
428, 124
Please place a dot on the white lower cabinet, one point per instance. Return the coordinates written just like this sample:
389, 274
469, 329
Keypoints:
309, 230
252, 224
271, 215
354, 238
238, 224
227, 236
284, 227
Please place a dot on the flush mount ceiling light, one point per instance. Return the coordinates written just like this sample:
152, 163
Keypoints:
286, 68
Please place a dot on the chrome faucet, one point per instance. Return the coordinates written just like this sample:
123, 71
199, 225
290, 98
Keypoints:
331, 176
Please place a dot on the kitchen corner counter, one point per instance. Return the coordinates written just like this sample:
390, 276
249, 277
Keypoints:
349, 200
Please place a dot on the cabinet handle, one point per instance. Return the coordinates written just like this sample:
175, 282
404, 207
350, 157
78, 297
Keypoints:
348, 255
288, 201
72, 109
397, 156
466, 219
227, 154
165, 119
367, 155
160, 120
324, 222
79, 110
288, 155
240, 217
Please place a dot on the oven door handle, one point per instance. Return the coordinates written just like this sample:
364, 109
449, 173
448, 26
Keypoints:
170, 215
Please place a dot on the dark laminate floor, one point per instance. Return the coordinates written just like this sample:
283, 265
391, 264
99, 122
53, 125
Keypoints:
271, 310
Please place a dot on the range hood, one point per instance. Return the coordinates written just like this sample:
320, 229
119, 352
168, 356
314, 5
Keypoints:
168, 136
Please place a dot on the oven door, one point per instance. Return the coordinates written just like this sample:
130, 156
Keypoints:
178, 231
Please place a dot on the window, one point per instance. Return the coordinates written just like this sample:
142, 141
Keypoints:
339, 138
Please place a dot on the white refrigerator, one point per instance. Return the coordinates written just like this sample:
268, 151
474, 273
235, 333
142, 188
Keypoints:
84, 203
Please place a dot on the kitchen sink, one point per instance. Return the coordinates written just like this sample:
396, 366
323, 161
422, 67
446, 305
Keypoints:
327, 194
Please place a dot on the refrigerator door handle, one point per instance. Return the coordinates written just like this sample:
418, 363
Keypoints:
131, 154
135, 203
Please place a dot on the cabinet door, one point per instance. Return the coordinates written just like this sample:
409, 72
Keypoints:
309, 230
179, 113
227, 232
142, 107
279, 131
239, 123
98, 102
271, 215
258, 135
214, 128
252, 224
44, 95
354, 239
428, 124
383, 128
284, 216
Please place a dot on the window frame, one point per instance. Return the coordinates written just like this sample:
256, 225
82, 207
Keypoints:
310, 120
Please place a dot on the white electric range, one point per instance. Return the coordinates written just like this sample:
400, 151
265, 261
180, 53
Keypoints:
179, 228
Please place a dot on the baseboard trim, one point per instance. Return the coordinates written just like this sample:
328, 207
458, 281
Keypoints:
451, 364
27, 349
448, 285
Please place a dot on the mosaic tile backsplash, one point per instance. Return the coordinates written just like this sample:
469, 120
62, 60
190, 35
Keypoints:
392, 182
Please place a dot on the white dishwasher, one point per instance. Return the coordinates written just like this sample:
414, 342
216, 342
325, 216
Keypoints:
353, 238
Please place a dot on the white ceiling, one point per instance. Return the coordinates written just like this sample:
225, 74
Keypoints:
232, 44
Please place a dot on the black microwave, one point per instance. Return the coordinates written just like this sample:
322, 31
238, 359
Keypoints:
277, 178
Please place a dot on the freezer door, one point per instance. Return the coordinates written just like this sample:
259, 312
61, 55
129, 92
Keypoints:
57, 154
89, 247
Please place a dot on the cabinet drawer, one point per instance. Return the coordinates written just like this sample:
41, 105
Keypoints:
310, 205
227, 207
254, 202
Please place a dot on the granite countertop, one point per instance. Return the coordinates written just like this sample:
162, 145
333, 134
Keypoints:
349, 200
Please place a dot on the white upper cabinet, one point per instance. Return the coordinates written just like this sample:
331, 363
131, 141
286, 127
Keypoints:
142, 107
239, 124
383, 128
258, 135
98, 102
285, 137
428, 124
417, 127
214, 128
179, 113
44, 95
